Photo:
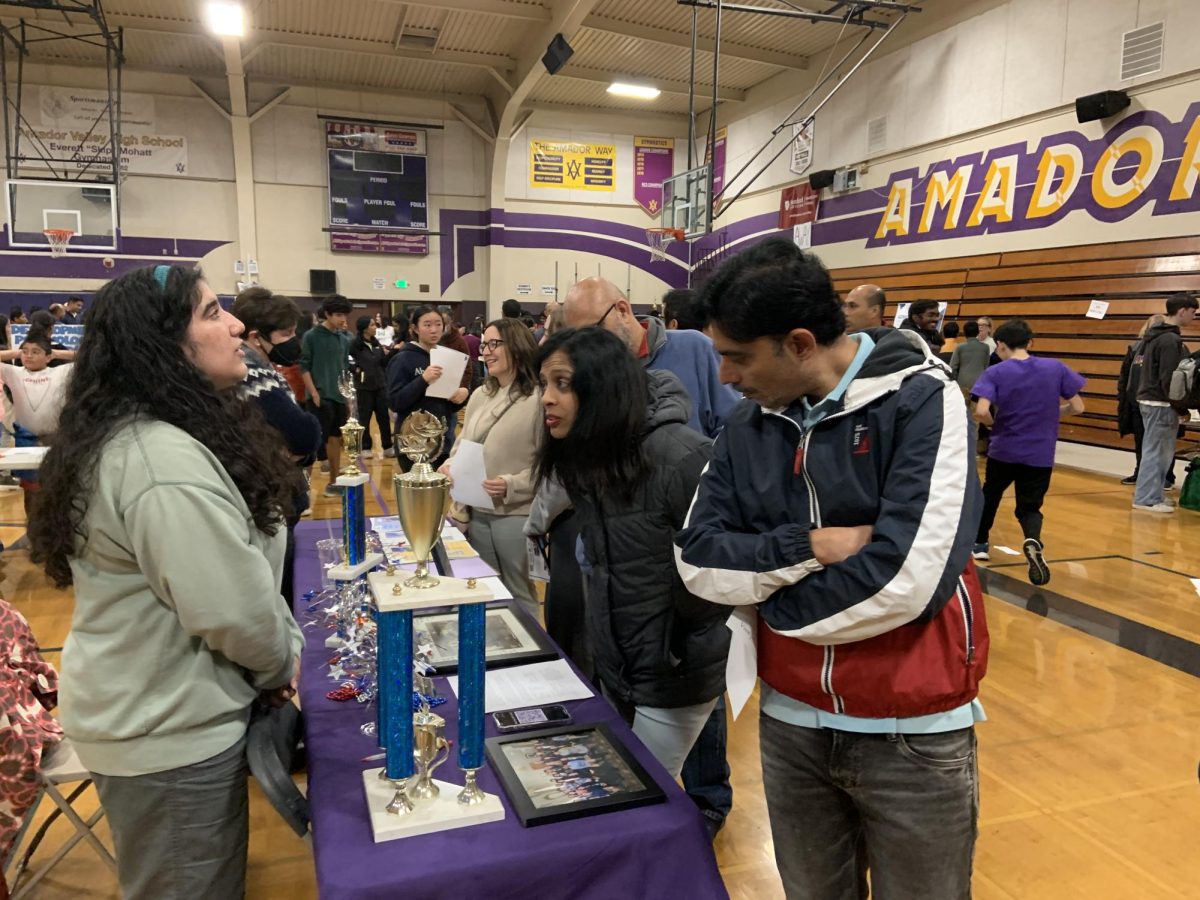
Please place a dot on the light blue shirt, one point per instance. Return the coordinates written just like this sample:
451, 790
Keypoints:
794, 712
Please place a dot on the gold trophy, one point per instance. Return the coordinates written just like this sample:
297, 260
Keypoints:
422, 495
427, 727
352, 431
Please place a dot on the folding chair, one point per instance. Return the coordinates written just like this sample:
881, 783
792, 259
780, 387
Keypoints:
60, 766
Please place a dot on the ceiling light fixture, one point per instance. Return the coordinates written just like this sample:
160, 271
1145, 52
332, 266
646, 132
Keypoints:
226, 19
636, 91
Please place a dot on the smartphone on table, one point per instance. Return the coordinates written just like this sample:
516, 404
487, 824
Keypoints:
531, 717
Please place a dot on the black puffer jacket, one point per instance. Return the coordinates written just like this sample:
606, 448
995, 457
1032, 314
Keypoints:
655, 644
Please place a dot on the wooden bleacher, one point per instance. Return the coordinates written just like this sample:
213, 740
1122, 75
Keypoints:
1052, 290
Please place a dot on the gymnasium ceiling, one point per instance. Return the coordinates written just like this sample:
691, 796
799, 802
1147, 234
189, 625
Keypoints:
461, 48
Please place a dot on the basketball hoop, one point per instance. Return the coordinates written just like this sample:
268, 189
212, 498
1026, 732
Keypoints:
58, 239
659, 239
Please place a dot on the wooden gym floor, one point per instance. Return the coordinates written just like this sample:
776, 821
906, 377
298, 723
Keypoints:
1088, 761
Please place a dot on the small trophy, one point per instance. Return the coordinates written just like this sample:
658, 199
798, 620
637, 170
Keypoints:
352, 431
427, 727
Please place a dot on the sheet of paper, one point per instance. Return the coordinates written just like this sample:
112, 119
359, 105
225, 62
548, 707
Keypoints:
453, 365
1009, 550
741, 667
532, 685
469, 473
1098, 309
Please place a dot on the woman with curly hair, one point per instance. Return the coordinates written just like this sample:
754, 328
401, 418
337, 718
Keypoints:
163, 503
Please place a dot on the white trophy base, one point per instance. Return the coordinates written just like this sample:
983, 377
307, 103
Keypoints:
450, 592
350, 573
352, 480
441, 813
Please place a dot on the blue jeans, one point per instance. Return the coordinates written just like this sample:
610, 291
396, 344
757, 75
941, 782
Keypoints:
706, 770
907, 805
670, 734
1158, 453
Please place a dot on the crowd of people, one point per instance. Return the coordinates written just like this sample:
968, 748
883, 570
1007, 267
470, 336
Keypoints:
766, 450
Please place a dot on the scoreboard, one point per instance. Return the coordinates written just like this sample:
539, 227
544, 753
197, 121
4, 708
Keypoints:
375, 178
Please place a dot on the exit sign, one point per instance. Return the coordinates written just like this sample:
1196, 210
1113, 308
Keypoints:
401, 283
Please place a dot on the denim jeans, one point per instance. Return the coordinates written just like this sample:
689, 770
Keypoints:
670, 733
904, 805
181, 834
706, 769
1158, 453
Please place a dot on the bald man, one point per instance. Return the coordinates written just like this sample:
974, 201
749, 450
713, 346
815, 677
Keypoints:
688, 355
863, 307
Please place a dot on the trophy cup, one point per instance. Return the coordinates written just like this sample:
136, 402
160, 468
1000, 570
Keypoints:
422, 496
352, 431
356, 560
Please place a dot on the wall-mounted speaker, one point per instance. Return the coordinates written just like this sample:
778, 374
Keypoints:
557, 54
322, 281
822, 179
1100, 106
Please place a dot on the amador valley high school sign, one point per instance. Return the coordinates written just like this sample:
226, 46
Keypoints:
1146, 159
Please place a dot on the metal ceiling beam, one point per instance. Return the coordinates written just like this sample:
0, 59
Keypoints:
789, 13
646, 114
264, 37
675, 39
503, 8
665, 85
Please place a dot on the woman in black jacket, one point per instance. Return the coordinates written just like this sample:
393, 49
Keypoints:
1129, 416
410, 372
371, 386
631, 469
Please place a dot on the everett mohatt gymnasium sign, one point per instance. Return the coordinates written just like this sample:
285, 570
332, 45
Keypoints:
1144, 160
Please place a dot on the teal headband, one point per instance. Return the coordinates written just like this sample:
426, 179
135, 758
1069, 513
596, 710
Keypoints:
160, 275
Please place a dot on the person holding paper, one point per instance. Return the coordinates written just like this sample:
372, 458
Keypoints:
502, 431
411, 373
617, 439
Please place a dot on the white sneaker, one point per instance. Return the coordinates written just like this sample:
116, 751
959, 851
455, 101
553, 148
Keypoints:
1156, 508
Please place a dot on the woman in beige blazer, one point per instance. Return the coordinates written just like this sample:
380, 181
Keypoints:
505, 415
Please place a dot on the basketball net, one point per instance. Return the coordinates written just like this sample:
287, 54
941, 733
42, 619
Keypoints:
58, 239
659, 239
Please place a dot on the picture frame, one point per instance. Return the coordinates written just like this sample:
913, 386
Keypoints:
512, 638
569, 772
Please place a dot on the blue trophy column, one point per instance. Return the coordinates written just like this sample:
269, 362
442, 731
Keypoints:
471, 626
395, 691
354, 523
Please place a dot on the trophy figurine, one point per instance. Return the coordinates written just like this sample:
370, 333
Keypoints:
422, 495
352, 431
427, 727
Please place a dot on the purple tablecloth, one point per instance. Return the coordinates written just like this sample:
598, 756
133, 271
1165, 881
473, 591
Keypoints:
653, 851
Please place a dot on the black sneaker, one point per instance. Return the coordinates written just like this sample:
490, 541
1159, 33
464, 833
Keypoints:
1130, 479
1039, 572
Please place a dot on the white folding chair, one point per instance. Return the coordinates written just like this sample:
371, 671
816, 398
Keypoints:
61, 766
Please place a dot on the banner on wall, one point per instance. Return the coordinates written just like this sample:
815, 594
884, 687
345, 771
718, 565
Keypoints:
359, 242
653, 163
572, 165
802, 148
798, 205
1145, 160
71, 126
716, 159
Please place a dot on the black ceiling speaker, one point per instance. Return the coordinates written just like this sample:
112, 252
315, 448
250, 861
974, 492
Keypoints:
322, 281
822, 179
1100, 106
557, 54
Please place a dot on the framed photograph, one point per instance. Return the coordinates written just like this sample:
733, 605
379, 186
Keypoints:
512, 640
569, 772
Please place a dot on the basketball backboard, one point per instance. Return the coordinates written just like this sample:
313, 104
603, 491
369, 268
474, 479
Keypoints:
86, 208
685, 203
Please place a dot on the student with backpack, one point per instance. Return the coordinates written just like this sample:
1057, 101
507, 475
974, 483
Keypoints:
1163, 351
1129, 417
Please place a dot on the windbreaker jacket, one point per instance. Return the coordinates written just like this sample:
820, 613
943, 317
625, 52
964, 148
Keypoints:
896, 630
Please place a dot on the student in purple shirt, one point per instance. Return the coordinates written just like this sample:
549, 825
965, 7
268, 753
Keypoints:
1021, 400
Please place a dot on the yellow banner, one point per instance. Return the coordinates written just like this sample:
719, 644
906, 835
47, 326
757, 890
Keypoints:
572, 165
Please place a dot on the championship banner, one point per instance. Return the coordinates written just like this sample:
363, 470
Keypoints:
573, 166
71, 125
717, 161
802, 148
653, 163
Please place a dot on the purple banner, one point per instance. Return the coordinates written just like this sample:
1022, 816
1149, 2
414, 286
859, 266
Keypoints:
402, 244
653, 163
717, 161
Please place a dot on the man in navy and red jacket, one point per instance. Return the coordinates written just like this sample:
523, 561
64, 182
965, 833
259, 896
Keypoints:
841, 505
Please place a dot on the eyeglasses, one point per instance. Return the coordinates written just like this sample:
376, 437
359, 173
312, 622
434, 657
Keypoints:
490, 345
600, 321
